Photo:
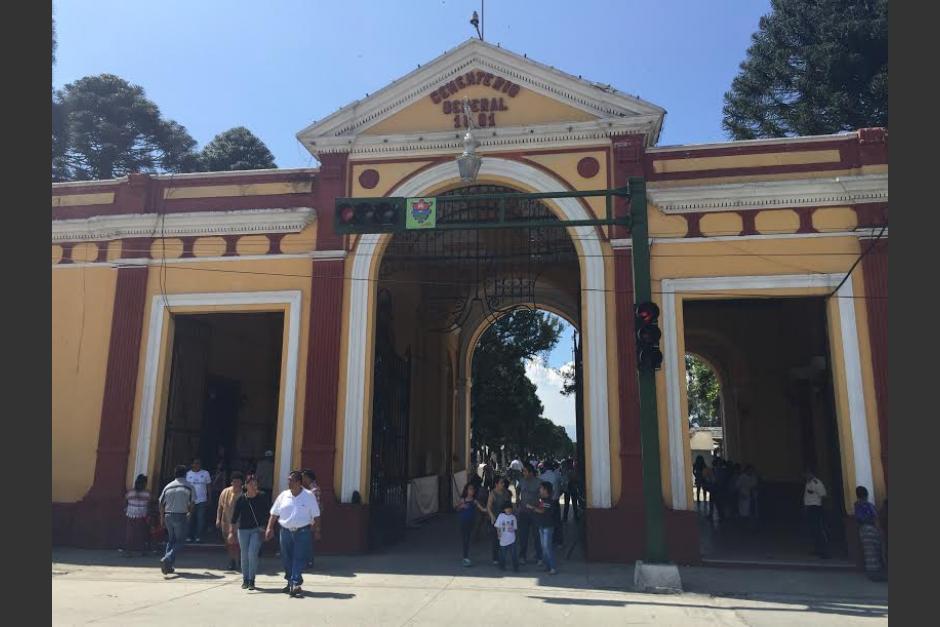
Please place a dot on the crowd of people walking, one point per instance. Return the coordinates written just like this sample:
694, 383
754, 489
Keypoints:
518, 505
727, 492
245, 515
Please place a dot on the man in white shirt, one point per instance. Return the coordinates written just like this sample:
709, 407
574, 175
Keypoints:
199, 479
813, 494
295, 509
515, 472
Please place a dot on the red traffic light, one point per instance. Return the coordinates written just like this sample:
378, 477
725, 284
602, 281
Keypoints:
647, 312
369, 215
346, 214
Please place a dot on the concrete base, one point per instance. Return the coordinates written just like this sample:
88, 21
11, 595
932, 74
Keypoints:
657, 578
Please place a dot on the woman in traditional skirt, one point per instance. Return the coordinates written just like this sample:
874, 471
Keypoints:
870, 535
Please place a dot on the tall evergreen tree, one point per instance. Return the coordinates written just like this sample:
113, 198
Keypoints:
506, 408
109, 129
236, 149
814, 67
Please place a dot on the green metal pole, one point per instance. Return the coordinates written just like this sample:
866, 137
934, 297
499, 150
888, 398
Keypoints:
649, 424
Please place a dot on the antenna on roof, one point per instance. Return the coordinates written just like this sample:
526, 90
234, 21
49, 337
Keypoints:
477, 21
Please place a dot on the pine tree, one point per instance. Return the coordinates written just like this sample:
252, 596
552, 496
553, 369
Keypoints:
814, 67
236, 149
108, 128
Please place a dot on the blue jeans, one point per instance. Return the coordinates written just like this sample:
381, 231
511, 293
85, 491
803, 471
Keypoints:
526, 528
197, 523
506, 553
545, 537
295, 548
250, 542
176, 532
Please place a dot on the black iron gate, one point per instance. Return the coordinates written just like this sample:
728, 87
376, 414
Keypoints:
388, 487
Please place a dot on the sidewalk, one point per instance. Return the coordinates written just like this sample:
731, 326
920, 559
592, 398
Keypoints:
384, 589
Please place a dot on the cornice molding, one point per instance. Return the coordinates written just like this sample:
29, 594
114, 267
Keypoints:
197, 223
341, 131
815, 192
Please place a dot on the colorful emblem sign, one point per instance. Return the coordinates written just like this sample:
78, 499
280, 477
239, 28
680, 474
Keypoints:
421, 213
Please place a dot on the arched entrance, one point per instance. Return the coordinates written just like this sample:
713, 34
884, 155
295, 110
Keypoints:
439, 292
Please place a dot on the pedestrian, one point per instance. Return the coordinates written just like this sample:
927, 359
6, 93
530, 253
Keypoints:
869, 535
506, 525
528, 497
489, 475
295, 510
136, 512
698, 467
176, 505
223, 517
264, 470
310, 485
515, 473
575, 491
249, 517
746, 487
198, 477
708, 487
545, 522
217, 487
562, 470
466, 516
494, 505
552, 475
813, 494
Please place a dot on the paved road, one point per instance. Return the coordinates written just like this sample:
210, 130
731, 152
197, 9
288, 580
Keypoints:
392, 589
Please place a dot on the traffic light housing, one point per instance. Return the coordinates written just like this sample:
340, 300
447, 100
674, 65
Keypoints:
648, 334
369, 215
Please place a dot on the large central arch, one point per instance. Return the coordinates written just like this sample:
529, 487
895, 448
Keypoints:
366, 257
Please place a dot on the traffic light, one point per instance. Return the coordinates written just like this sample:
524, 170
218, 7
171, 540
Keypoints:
369, 215
648, 355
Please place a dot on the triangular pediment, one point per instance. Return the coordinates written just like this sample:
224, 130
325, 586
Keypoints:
514, 99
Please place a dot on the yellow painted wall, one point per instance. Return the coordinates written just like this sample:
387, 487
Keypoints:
692, 164
82, 304
390, 174
753, 257
565, 165
526, 108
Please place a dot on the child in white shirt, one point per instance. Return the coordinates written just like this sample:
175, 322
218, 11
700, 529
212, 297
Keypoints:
506, 526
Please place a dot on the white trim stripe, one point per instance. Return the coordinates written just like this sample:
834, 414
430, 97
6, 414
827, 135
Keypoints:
195, 223
774, 194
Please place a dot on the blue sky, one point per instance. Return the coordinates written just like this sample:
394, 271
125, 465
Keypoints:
277, 66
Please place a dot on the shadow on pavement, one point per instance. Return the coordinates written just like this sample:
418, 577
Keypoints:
433, 550
849, 608
190, 575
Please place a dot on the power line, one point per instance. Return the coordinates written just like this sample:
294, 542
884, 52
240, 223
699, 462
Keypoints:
857, 261
720, 293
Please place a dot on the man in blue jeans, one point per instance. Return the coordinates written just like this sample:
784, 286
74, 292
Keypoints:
296, 510
545, 521
176, 503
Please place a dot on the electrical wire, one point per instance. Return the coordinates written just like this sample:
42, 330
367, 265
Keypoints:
721, 293
859, 260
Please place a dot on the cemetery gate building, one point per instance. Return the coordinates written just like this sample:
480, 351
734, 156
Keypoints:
221, 315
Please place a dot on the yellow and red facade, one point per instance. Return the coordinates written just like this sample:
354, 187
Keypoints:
129, 253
